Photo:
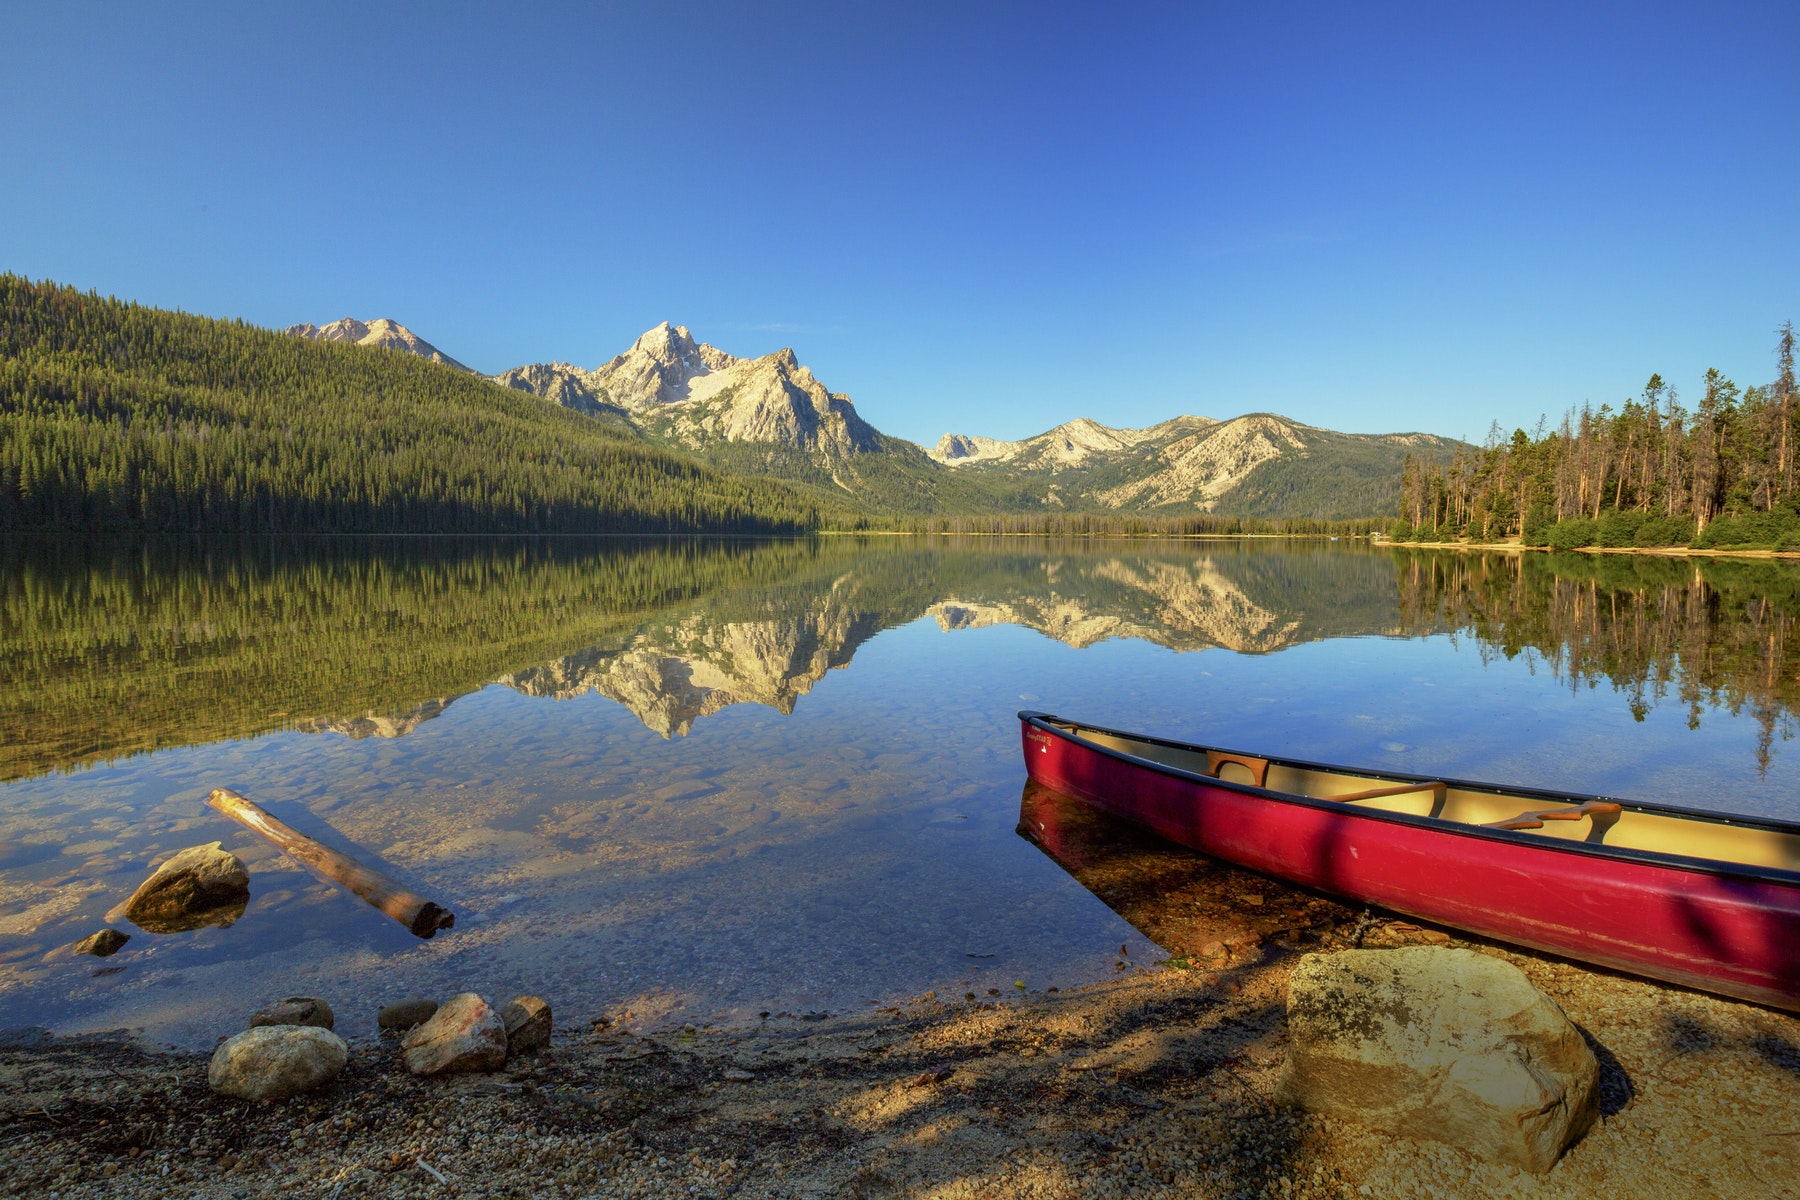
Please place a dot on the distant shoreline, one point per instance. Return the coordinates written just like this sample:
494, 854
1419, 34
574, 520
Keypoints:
1508, 547
1513, 547
1141, 537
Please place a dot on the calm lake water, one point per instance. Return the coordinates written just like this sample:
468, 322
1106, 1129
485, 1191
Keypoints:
687, 782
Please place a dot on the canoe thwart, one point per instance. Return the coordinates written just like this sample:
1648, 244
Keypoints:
1535, 820
1438, 789
1216, 761
422, 917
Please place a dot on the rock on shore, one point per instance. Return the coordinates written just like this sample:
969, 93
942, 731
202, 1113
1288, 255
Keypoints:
272, 1062
466, 1034
527, 1021
1449, 1045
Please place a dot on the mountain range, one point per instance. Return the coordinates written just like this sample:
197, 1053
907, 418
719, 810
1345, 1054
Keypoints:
771, 416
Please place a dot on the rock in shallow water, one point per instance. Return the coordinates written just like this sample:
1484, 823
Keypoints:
527, 1021
102, 944
295, 1010
466, 1034
272, 1062
1450, 1045
404, 1014
202, 885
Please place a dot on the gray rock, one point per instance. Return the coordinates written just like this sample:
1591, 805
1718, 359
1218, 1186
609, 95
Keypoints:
465, 1034
202, 885
527, 1021
275, 1061
295, 1010
1443, 1044
404, 1014
103, 944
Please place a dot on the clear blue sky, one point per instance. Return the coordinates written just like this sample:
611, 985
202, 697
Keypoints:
981, 218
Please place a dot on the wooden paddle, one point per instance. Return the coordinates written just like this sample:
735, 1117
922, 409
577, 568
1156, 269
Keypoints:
1535, 820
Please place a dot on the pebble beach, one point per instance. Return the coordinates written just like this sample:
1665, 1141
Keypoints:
1157, 1083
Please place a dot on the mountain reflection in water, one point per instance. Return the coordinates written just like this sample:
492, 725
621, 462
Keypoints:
642, 777
124, 654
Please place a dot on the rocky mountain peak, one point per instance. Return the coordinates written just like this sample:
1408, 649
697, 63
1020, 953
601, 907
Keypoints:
560, 382
666, 343
383, 331
659, 368
697, 395
953, 446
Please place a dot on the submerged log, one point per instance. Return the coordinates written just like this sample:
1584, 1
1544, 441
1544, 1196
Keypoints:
418, 914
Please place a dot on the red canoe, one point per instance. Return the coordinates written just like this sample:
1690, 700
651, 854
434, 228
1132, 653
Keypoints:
1701, 899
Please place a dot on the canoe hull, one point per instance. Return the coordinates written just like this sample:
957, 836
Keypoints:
1708, 930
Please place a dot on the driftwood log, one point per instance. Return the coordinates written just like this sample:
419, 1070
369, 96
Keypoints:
415, 912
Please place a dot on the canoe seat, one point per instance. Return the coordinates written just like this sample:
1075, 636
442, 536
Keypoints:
1439, 792
1596, 809
1216, 760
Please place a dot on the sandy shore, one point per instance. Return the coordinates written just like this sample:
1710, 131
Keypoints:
1158, 1083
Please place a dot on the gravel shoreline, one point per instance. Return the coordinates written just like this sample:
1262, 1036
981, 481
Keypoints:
1158, 1083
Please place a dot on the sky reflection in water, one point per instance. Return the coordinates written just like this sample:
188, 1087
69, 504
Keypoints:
858, 847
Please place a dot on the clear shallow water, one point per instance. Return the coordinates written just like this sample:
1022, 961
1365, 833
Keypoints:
674, 783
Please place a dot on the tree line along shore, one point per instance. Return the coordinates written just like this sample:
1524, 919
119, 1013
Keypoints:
1648, 474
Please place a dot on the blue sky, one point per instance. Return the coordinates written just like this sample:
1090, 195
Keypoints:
980, 218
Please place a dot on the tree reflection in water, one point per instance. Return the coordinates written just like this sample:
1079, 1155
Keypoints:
1707, 633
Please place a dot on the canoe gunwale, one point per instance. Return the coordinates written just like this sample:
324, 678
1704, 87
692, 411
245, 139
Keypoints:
1053, 726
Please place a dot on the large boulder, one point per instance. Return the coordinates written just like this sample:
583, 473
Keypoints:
202, 885
465, 1034
295, 1010
1444, 1044
527, 1021
272, 1062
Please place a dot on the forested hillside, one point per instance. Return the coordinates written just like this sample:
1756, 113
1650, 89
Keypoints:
114, 415
1651, 473
1341, 477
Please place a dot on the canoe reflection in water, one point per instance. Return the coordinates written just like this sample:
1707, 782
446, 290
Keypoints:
1198, 909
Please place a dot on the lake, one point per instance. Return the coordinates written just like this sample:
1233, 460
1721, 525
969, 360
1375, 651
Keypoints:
674, 782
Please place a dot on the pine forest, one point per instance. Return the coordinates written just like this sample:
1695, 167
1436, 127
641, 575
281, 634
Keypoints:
1650, 473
